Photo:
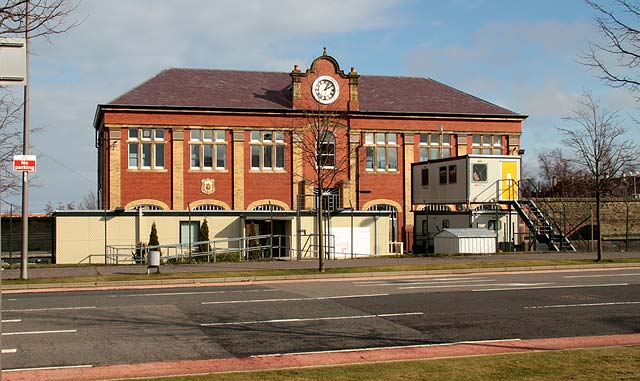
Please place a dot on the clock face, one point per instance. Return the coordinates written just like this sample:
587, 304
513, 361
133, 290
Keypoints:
325, 89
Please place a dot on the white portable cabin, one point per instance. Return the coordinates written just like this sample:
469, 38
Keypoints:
465, 241
465, 180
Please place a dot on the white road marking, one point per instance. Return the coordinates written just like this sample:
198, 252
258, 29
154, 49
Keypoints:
603, 304
547, 287
7, 351
48, 368
188, 293
294, 299
472, 285
310, 319
599, 275
423, 283
391, 347
414, 280
38, 332
51, 309
12, 321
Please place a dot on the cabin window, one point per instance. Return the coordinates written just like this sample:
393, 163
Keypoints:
425, 177
443, 175
453, 174
479, 172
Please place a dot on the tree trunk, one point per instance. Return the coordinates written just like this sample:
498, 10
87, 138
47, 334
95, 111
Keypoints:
598, 224
320, 232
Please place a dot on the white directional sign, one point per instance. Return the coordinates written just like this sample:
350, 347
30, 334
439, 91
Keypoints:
24, 163
13, 61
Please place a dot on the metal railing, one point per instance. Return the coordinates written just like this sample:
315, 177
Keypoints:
243, 249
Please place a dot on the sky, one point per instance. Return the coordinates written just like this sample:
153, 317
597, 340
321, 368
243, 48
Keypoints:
520, 54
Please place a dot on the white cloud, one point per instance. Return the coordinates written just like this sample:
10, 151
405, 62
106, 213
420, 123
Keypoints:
121, 43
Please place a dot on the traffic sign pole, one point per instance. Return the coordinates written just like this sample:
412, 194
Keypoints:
25, 151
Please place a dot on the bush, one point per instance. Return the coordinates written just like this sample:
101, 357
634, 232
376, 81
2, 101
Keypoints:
204, 236
153, 236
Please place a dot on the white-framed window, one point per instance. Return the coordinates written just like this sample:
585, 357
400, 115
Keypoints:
326, 150
208, 149
267, 150
435, 146
381, 152
486, 145
146, 148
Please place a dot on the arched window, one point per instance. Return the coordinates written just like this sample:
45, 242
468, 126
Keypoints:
393, 226
146, 207
437, 208
208, 207
326, 150
268, 207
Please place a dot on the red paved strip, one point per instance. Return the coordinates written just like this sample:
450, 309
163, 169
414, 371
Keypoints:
177, 368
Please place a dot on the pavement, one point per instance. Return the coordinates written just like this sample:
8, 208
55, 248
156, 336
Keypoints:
175, 368
63, 271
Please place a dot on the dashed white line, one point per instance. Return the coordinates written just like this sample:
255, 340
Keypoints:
382, 281
548, 287
51, 309
9, 351
38, 332
189, 293
298, 320
603, 304
599, 275
12, 321
423, 283
294, 299
471, 285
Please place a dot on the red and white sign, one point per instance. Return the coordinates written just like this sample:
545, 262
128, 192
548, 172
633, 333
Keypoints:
24, 163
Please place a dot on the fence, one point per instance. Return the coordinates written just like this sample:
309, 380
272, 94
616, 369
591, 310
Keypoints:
243, 249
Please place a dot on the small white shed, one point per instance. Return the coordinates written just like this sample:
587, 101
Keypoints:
466, 241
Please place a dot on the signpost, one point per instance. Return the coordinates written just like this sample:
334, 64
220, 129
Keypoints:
24, 163
14, 71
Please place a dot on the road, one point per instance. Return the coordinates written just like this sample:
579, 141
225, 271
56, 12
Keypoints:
106, 327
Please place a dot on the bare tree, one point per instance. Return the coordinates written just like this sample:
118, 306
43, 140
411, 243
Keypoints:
10, 141
598, 146
89, 202
617, 57
46, 17
326, 153
559, 177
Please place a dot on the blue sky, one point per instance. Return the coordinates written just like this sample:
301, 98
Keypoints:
519, 54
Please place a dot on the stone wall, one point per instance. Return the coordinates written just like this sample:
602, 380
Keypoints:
620, 217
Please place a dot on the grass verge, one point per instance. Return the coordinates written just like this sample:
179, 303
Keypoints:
583, 364
139, 272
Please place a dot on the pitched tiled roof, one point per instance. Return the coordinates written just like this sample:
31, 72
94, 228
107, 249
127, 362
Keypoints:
271, 90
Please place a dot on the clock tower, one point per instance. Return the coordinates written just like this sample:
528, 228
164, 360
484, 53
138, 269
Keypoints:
324, 85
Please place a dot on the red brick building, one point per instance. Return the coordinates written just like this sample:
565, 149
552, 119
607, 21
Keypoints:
229, 140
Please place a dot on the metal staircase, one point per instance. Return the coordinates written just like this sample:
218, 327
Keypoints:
545, 228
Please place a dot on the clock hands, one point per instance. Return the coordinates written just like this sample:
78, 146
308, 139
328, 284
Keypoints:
325, 89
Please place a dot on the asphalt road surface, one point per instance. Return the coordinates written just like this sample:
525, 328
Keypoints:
106, 327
